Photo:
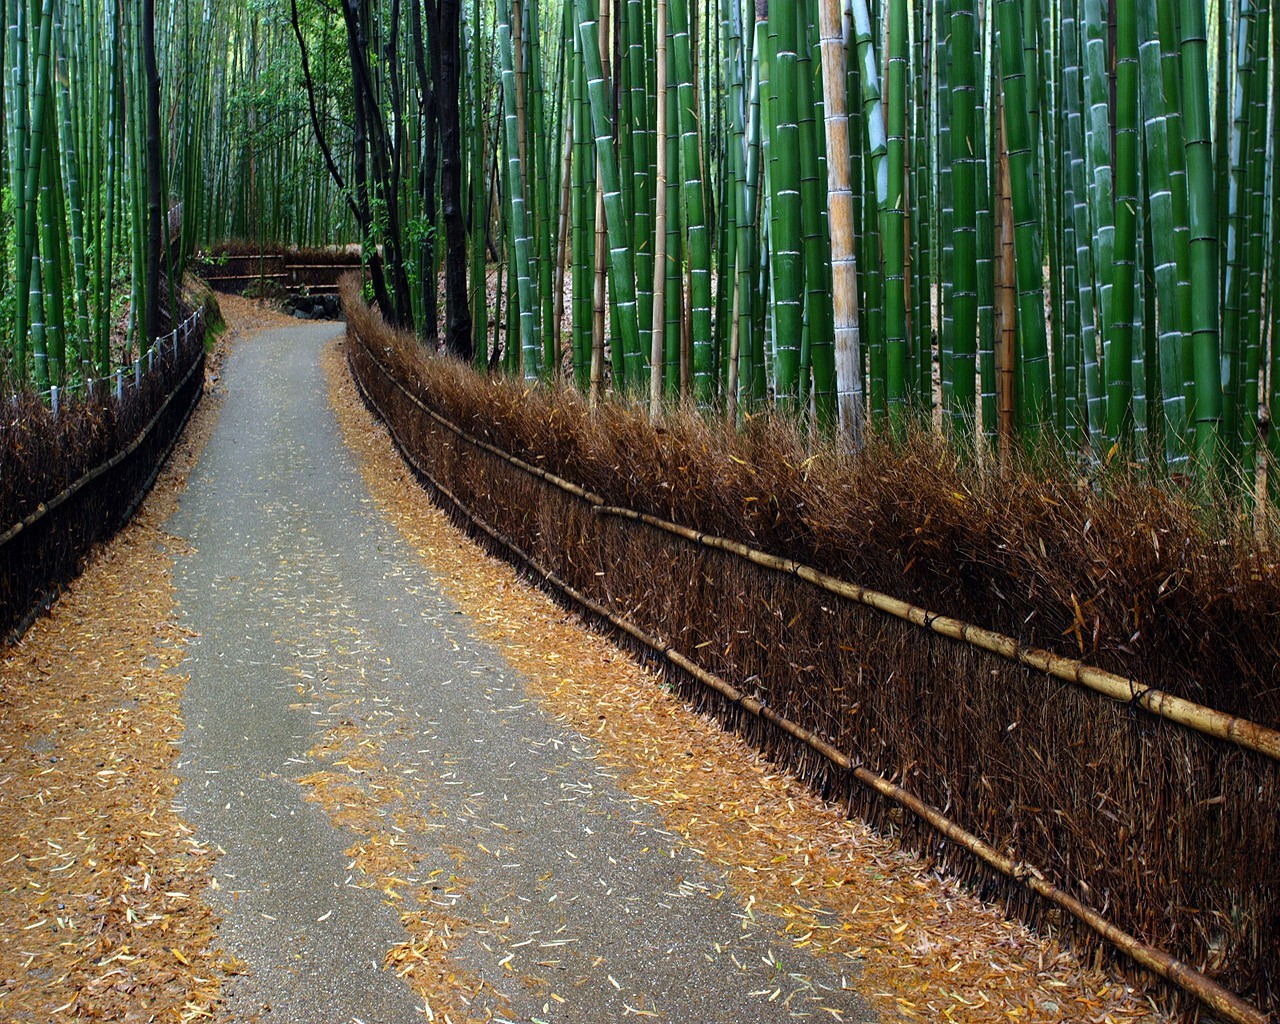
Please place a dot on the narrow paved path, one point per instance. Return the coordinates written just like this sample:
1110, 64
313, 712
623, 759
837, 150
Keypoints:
360, 756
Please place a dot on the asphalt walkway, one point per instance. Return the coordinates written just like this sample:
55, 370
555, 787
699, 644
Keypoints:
324, 646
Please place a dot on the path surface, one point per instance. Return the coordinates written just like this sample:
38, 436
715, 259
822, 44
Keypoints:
320, 631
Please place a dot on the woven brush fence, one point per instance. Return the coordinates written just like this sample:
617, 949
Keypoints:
1169, 834
70, 480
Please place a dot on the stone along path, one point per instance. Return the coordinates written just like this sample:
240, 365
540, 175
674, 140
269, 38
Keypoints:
408, 835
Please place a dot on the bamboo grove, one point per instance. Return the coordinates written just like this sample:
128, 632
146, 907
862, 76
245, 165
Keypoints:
84, 218
1016, 221
1041, 217
1042, 220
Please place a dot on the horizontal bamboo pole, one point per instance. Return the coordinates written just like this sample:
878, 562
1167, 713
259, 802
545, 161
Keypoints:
1179, 710
223, 278
1223, 1002
1116, 687
44, 508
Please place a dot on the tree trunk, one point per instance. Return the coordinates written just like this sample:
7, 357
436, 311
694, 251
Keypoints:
372, 141
446, 48
430, 114
154, 179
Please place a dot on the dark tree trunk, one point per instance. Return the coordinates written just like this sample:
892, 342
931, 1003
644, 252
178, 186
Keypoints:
427, 171
360, 174
155, 252
447, 53
372, 141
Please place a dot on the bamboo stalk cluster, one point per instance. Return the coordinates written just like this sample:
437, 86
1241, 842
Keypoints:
1025, 221
1035, 219
85, 221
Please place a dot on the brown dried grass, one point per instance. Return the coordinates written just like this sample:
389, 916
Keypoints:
344, 255
1172, 835
920, 947
42, 454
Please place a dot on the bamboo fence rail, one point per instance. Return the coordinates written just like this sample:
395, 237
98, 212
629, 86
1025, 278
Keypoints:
45, 507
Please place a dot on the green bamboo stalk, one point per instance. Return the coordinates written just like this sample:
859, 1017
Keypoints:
699, 254
1206, 412
752, 368
1119, 369
962, 157
522, 243
982, 135
621, 264
1101, 201
1245, 51
740, 325
641, 128
479, 198
1171, 75
926, 202
1035, 396
675, 254
1063, 366
817, 246
1273, 272
71, 178
1067, 105
1254, 298
1155, 106
17, 89
657, 329
27, 286
544, 215
944, 161
786, 223
583, 228
875, 172
893, 219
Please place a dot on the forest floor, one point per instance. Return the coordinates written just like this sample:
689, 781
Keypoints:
294, 749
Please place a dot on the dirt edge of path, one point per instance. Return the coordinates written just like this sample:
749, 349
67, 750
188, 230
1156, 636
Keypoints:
922, 947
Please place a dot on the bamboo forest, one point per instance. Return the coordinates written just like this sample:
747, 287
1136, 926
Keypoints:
706, 510
1013, 219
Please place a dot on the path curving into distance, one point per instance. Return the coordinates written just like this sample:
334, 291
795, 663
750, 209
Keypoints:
381, 782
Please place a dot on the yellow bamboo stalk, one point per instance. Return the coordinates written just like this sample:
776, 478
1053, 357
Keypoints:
834, 32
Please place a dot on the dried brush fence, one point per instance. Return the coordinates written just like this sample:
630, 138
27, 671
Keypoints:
71, 478
1159, 835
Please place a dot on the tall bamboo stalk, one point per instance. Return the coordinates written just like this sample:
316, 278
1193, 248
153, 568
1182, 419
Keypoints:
848, 353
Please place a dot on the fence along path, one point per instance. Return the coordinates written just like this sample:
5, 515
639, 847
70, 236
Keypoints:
41, 550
